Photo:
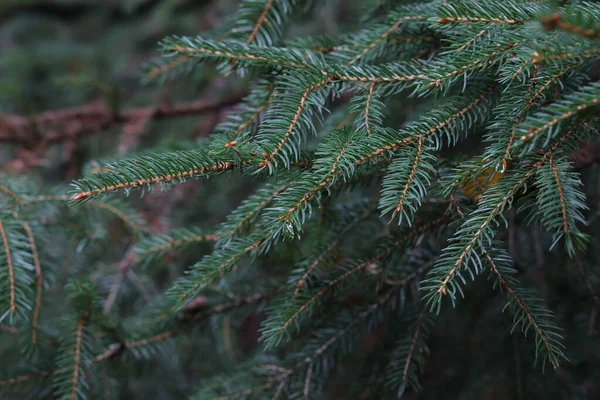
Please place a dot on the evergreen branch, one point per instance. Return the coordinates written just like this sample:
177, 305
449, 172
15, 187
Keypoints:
294, 204
121, 214
561, 195
541, 57
448, 20
77, 358
487, 60
270, 138
24, 378
404, 73
430, 76
493, 203
16, 264
246, 112
10, 268
476, 230
327, 251
560, 203
583, 54
10, 193
406, 183
413, 344
444, 121
261, 20
510, 112
286, 312
72, 362
580, 19
545, 330
547, 84
146, 171
164, 68
240, 219
249, 120
385, 35
240, 53
409, 356
154, 247
472, 40
337, 154
507, 12
367, 108
547, 336
211, 268
39, 282
564, 109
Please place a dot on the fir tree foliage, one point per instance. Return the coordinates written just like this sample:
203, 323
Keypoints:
393, 166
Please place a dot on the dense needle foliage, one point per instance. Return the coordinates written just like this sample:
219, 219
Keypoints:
380, 199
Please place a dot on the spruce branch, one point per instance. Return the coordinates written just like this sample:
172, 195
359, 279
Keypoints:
441, 123
560, 203
282, 130
478, 229
24, 378
39, 282
155, 247
570, 106
16, 264
10, 268
579, 19
529, 311
240, 53
510, 113
68, 380
326, 253
391, 110
405, 184
368, 107
472, 12
385, 35
241, 219
117, 208
555, 56
213, 267
286, 313
146, 171
409, 354
336, 156
262, 22
240, 121
338, 334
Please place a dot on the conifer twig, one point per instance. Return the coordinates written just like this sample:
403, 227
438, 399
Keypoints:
556, 22
9, 265
39, 280
261, 20
77, 357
